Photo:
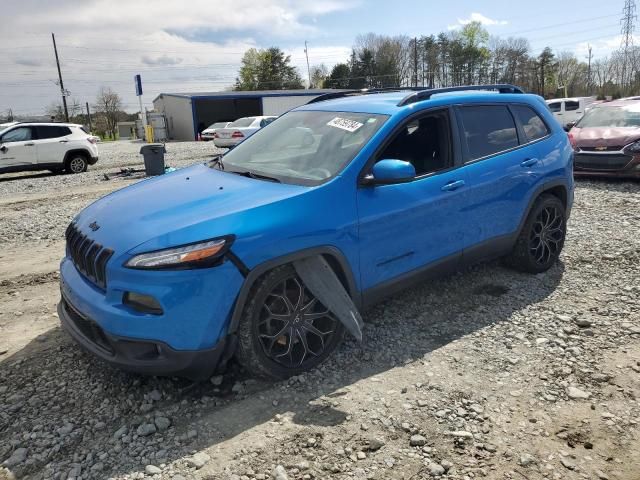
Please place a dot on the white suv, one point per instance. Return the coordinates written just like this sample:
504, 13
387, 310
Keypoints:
47, 146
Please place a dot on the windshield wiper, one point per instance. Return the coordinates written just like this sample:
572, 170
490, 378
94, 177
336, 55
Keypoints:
217, 161
257, 176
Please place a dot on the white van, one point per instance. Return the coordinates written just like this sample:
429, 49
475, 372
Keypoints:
569, 110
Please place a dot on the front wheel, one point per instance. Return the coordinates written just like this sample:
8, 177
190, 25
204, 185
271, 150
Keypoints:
284, 329
542, 237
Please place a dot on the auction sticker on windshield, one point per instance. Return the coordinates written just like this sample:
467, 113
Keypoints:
345, 124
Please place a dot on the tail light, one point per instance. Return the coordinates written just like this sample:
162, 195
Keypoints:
93, 140
237, 134
572, 140
215, 135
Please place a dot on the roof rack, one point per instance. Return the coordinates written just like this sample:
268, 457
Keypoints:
363, 91
427, 93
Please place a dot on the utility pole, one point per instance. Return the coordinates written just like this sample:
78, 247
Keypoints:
415, 61
64, 96
589, 72
626, 45
89, 117
306, 52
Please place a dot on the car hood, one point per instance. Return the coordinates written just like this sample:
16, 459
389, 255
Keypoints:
605, 136
186, 206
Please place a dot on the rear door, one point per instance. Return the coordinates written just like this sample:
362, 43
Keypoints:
52, 143
17, 147
503, 166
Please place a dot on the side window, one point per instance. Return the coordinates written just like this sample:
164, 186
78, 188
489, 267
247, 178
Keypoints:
424, 142
555, 106
20, 134
533, 126
50, 131
570, 105
488, 129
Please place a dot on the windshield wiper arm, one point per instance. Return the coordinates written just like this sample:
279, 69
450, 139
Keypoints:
257, 176
217, 161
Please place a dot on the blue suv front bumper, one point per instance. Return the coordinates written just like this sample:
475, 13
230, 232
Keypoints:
187, 339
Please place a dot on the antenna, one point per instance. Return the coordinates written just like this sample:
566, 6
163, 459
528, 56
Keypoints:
628, 24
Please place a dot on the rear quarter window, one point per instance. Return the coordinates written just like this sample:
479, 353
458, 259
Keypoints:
532, 124
487, 130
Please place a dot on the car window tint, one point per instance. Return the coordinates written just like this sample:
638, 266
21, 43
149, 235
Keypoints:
555, 106
424, 142
20, 134
533, 126
570, 105
488, 129
49, 131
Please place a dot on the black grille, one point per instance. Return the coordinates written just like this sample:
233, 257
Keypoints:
601, 162
603, 149
89, 329
90, 258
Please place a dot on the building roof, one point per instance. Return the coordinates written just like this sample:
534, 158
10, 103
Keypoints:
251, 93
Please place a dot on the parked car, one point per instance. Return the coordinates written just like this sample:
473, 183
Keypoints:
569, 110
207, 133
176, 274
47, 146
239, 130
607, 140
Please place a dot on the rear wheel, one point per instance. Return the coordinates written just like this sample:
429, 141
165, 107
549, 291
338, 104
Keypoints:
284, 329
76, 163
542, 237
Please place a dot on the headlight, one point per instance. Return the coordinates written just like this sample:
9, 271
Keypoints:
632, 149
196, 255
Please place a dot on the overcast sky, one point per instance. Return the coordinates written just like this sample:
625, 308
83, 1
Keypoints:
180, 46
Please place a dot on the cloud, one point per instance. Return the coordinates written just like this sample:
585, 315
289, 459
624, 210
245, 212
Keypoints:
477, 17
162, 60
107, 42
29, 62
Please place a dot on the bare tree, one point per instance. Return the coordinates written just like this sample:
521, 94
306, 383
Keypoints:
319, 74
109, 106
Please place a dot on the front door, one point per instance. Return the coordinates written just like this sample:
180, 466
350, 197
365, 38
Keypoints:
17, 148
407, 226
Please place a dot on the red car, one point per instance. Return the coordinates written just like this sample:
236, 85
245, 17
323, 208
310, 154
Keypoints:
606, 140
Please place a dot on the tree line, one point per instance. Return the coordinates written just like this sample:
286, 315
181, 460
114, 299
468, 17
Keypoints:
463, 57
106, 112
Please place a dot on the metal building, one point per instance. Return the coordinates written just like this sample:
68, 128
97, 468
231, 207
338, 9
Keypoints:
187, 114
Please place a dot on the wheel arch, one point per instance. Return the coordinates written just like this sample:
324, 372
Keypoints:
76, 151
557, 188
334, 257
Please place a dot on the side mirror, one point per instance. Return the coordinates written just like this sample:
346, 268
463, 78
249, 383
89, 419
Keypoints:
390, 171
569, 126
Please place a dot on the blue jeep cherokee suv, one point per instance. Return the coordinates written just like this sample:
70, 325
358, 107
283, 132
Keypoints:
176, 274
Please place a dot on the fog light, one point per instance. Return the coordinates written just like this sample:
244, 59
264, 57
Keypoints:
142, 303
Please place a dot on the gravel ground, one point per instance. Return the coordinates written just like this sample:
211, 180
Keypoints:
485, 374
34, 217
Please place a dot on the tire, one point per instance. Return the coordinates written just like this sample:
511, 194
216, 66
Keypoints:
76, 163
284, 330
542, 237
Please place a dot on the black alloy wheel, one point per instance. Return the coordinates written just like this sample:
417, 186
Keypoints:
285, 330
547, 235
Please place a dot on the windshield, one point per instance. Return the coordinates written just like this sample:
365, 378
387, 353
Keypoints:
243, 122
611, 117
308, 146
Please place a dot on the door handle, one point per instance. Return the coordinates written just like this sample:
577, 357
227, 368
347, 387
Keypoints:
3, 149
454, 185
63, 141
529, 162
29, 144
